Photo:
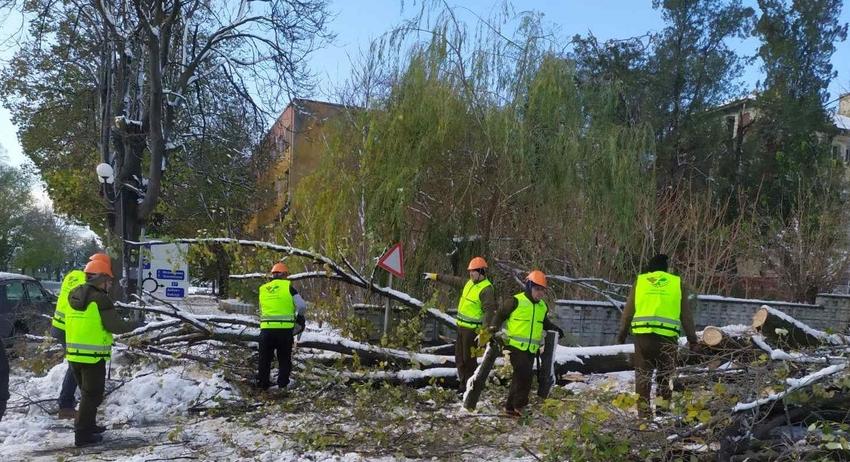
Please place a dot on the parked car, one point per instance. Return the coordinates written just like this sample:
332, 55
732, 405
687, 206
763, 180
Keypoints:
23, 305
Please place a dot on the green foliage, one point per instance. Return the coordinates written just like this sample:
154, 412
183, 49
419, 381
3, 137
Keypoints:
15, 202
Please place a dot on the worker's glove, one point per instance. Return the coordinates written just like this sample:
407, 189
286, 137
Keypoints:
560, 332
300, 324
621, 339
483, 337
429, 276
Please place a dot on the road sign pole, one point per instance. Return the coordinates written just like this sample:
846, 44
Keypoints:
387, 309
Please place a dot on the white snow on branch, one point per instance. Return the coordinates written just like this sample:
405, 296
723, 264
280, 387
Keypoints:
794, 384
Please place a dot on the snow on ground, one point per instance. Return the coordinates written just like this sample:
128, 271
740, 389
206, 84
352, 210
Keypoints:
140, 397
618, 382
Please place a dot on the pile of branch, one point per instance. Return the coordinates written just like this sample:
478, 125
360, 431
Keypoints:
762, 426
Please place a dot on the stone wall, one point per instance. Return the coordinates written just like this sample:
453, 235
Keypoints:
591, 323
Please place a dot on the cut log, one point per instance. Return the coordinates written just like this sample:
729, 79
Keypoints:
717, 347
714, 337
475, 385
785, 331
546, 372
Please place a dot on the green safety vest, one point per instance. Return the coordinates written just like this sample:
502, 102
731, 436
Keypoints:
658, 304
73, 279
86, 341
277, 306
524, 328
470, 312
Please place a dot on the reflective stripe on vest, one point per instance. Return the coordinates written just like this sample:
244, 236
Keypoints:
86, 341
71, 281
524, 328
470, 311
277, 306
658, 304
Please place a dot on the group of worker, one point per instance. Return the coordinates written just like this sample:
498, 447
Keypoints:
656, 313
85, 320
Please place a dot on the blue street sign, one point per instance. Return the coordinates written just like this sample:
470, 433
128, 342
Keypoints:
174, 292
178, 275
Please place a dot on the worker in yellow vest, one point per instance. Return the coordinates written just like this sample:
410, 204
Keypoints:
525, 318
90, 321
73, 279
477, 302
281, 310
657, 313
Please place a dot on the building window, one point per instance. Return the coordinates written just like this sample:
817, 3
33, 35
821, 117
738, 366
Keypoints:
847, 154
835, 151
730, 126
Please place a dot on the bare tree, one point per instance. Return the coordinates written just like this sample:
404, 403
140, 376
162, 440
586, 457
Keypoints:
149, 62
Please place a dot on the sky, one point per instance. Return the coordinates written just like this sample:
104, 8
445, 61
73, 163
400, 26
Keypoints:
357, 23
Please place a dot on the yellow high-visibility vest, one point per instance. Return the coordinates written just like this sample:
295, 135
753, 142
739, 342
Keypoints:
658, 304
73, 279
277, 306
524, 328
86, 341
470, 312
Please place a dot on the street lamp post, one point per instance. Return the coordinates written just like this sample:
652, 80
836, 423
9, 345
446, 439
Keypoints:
106, 177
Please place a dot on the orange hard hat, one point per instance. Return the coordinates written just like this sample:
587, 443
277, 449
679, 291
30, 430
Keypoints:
280, 267
476, 264
537, 277
102, 257
99, 267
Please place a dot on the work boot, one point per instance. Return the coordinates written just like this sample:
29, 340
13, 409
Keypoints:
67, 413
87, 440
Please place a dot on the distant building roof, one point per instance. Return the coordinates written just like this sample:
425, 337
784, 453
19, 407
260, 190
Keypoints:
841, 121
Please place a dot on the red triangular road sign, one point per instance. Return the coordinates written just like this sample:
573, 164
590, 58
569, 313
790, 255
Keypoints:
393, 261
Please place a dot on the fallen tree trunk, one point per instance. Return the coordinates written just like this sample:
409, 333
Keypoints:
786, 331
593, 360
371, 353
238, 330
440, 376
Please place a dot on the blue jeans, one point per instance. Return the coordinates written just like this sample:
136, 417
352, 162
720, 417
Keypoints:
69, 383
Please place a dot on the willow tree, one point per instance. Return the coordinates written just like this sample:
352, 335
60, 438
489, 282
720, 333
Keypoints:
481, 140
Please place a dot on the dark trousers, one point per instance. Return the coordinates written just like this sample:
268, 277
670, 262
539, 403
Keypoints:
92, 380
69, 383
464, 359
522, 363
4, 379
654, 353
275, 341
